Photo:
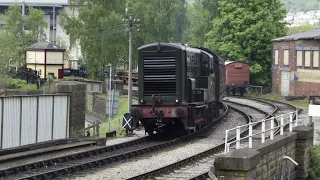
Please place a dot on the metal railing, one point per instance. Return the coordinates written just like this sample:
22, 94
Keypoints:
253, 89
95, 128
273, 129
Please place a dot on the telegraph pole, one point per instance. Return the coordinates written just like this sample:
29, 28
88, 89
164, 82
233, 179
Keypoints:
130, 65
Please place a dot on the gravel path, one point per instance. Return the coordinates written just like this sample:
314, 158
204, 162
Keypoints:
133, 167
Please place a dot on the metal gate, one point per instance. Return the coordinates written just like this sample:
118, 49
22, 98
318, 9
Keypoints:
285, 83
32, 119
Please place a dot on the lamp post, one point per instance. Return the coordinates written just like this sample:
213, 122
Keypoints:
131, 20
109, 94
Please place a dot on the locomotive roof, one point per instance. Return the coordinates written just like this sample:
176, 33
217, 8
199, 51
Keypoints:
175, 45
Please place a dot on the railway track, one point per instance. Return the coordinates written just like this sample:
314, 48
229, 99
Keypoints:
71, 163
197, 166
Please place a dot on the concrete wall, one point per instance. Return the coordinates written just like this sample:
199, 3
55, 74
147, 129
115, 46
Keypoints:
263, 161
304, 81
77, 109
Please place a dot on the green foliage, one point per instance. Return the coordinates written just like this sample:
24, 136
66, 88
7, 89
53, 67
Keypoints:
103, 35
299, 29
13, 38
63, 44
49, 80
200, 13
243, 32
315, 162
11, 83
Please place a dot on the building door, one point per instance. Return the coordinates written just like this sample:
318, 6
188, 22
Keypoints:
285, 83
60, 73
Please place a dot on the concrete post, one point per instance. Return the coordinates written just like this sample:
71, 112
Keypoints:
77, 109
304, 145
239, 164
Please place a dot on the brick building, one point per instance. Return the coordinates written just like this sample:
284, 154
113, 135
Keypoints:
295, 64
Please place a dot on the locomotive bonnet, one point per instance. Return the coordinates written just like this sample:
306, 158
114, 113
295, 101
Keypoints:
179, 88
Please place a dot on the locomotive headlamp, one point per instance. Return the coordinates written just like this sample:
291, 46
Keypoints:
177, 100
135, 112
141, 101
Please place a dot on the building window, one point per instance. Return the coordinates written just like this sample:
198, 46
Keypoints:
315, 58
307, 58
276, 56
286, 57
299, 58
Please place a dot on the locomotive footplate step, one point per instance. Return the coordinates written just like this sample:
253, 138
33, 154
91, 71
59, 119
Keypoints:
45, 150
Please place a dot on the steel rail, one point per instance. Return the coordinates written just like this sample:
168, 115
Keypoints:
214, 150
52, 170
185, 162
206, 174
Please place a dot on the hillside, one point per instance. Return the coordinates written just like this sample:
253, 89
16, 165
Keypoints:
295, 5
302, 5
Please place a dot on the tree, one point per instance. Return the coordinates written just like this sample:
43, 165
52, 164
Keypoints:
13, 37
99, 29
67, 54
200, 14
243, 32
103, 35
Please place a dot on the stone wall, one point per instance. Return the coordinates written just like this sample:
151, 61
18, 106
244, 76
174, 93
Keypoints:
90, 100
96, 103
99, 105
264, 160
20, 92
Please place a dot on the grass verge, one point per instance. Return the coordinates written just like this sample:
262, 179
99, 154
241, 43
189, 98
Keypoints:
116, 122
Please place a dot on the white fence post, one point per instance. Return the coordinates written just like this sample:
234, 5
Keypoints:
271, 127
263, 130
238, 138
250, 135
226, 142
281, 125
290, 124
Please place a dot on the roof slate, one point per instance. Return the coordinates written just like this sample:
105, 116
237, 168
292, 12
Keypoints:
45, 45
309, 35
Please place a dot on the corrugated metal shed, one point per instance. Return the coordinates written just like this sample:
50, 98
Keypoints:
32, 119
309, 35
11, 122
29, 120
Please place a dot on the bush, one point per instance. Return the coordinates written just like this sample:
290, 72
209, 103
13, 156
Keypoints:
315, 162
15, 83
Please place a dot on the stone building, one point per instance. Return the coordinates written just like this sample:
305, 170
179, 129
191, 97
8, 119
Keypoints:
46, 58
295, 64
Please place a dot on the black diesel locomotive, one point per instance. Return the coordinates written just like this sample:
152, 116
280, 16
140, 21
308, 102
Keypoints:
180, 88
